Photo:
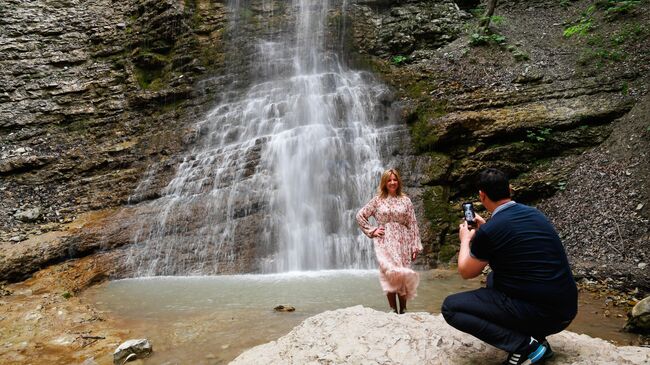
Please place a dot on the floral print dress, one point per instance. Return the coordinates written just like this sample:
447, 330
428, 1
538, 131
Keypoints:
395, 249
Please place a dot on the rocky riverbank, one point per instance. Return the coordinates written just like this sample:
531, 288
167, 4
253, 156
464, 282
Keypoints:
43, 319
366, 336
48, 318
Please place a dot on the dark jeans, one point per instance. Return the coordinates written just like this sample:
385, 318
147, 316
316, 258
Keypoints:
499, 320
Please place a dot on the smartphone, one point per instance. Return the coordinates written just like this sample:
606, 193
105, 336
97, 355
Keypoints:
470, 217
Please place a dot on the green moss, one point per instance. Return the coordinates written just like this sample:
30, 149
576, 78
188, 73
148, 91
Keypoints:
370, 63
439, 166
447, 252
148, 79
437, 209
173, 105
423, 133
478, 39
434, 203
78, 126
438, 212
246, 14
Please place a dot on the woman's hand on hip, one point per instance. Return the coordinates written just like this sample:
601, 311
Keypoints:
379, 232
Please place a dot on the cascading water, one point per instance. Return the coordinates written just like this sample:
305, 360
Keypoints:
286, 165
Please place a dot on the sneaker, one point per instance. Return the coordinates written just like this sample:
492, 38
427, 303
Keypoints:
549, 352
534, 354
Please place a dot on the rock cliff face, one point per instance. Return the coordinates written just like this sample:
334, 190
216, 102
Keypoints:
527, 99
91, 93
96, 94
366, 336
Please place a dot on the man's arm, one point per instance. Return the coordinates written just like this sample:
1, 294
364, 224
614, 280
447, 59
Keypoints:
468, 266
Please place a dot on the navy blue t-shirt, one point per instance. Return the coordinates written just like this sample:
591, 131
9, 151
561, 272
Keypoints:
527, 258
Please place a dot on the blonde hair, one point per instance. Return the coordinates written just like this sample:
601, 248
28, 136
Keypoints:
382, 189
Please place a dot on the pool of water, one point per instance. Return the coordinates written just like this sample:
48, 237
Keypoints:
212, 319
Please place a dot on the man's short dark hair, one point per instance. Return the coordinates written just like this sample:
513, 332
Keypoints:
494, 183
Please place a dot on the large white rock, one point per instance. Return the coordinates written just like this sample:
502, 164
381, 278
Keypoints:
359, 335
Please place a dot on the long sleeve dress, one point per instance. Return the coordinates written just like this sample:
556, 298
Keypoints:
394, 250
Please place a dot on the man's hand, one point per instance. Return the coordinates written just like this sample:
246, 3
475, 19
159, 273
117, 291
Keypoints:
468, 266
479, 220
464, 233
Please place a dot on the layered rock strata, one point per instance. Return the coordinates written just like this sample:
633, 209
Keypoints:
526, 99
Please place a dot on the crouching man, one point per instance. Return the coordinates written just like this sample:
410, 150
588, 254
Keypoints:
530, 293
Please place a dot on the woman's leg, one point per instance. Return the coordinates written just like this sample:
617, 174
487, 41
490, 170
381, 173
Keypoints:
402, 304
392, 302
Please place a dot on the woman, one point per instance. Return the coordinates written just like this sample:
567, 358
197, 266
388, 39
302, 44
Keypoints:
396, 239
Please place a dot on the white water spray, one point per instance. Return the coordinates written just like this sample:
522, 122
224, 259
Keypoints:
287, 165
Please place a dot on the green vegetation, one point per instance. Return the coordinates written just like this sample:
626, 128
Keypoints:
602, 46
518, 54
601, 55
566, 3
66, 295
539, 135
481, 37
477, 39
582, 28
478, 11
494, 19
613, 8
398, 60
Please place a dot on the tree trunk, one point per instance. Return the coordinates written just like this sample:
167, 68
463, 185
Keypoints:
489, 11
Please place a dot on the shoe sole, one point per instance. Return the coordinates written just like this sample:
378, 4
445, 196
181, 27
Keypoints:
536, 356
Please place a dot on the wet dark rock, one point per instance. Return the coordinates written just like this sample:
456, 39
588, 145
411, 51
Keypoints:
284, 308
639, 318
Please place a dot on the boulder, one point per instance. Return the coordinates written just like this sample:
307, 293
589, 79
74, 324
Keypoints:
28, 215
284, 308
359, 335
141, 348
639, 317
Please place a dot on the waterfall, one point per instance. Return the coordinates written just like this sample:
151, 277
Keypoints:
279, 170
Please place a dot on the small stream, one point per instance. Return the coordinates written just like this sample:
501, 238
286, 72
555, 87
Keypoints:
212, 319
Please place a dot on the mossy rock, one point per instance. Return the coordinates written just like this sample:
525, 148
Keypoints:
439, 213
465, 172
447, 252
425, 132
